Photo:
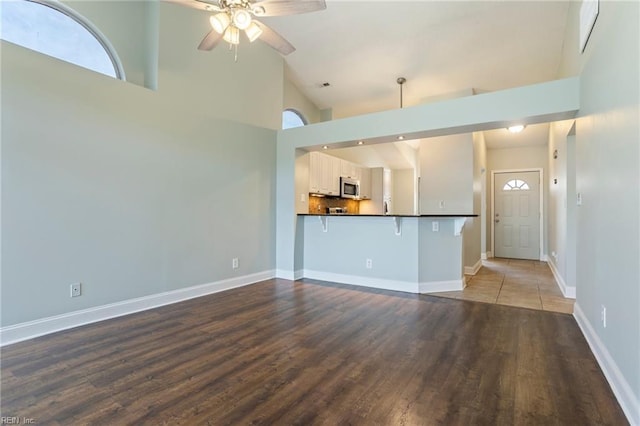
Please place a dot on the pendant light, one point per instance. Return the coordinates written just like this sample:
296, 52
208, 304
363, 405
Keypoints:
401, 81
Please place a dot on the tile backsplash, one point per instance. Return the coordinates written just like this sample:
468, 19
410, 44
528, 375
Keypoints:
318, 205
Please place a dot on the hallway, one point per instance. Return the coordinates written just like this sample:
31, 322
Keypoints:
514, 282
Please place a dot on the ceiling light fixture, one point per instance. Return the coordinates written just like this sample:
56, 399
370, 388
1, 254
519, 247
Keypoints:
231, 17
325, 147
517, 128
401, 138
401, 81
360, 142
241, 18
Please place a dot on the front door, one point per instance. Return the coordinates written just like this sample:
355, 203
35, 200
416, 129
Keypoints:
517, 215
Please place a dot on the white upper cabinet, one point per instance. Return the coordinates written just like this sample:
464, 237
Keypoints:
365, 183
324, 174
315, 172
349, 169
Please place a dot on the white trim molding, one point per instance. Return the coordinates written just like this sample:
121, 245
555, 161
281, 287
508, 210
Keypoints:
441, 286
623, 392
381, 283
40, 327
567, 291
287, 275
472, 270
386, 284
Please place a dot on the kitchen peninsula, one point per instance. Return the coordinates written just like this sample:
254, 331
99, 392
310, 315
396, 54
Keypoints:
416, 254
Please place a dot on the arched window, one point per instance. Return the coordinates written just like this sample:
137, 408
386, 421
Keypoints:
292, 118
52, 28
516, 185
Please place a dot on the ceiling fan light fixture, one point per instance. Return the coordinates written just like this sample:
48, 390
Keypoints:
253, 32
232, 35
219, 22
241, 18
258, 10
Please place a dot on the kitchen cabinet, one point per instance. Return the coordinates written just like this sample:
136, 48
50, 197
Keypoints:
349, 169
324, 174
315, 172
365, 183
375, 204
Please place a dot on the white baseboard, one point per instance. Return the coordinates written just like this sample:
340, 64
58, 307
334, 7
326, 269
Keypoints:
567, 291
381, 283
31, 329
440, 286
487, 255
285, 275
629, 402
385, 284
472, 270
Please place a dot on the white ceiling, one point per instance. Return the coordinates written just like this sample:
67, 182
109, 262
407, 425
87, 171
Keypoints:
443, 49
362, 47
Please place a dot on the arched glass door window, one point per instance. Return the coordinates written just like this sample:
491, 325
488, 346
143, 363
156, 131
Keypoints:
516, 185
292, 118
52, 28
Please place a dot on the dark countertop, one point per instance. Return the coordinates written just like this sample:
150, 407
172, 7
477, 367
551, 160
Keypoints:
390, 215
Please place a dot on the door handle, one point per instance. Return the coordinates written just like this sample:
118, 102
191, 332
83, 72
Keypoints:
497, 220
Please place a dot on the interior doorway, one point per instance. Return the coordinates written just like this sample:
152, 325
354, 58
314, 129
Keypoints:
517, 214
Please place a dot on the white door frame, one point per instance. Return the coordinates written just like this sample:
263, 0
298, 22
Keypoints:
493, 206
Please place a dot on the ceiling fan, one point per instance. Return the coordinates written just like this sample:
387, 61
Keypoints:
232, 17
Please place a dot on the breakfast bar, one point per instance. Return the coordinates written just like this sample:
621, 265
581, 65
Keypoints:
410, 253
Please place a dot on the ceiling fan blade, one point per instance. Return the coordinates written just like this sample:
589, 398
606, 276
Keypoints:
208, 5
274, 39
286, 7
210, 41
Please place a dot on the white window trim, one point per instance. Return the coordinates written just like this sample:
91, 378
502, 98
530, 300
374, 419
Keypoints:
95, 32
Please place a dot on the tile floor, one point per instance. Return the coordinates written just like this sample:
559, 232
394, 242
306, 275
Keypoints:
514, 282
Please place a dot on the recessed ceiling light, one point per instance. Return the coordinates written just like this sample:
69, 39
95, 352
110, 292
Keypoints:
400, 138
516, 129
360, 142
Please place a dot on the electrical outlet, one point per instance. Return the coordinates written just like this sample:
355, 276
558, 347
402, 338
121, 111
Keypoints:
441, 204
603, 315
234, 263
435, 226
76, 289
369, 264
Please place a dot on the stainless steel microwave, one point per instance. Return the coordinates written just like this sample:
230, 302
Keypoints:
349, 188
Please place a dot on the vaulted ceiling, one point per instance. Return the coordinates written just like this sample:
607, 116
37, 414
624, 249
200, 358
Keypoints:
440, 47
443, 48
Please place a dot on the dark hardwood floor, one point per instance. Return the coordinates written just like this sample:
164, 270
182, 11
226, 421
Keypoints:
305, 353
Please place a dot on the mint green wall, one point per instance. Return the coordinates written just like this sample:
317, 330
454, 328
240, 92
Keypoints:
115, 186
562, 201
607, 176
